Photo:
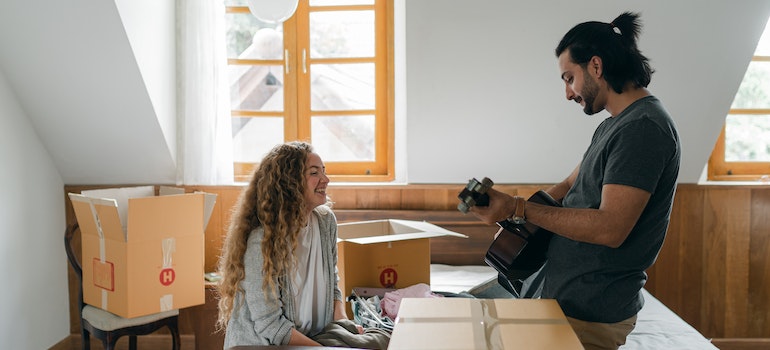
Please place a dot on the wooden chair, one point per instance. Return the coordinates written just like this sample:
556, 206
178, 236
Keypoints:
107, 326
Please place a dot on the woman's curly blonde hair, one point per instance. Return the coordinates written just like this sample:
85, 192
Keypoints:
274, 199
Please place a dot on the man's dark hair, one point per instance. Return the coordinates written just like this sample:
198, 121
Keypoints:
615, 44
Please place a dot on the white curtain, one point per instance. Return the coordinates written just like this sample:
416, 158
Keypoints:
204, 148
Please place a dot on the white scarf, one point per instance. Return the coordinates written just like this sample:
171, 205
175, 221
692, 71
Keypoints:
309, 280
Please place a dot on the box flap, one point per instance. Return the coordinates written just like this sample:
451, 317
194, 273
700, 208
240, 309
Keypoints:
531, 309
428, 227
168, 190
521, 310
98, 217
439, 336
208, 207
121, 196
390, 230
412, 309
209, 201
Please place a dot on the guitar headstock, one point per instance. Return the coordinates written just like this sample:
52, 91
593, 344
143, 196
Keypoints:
474, 194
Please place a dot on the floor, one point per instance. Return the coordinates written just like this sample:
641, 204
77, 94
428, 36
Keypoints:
154, 342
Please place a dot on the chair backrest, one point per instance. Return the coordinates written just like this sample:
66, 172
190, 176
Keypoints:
73, 259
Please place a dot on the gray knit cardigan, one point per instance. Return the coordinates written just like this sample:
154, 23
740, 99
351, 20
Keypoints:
258, 318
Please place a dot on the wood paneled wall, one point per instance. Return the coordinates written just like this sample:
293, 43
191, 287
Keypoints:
713, 270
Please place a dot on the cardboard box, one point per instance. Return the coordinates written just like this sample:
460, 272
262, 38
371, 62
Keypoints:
465, 324
141, 253
385, 253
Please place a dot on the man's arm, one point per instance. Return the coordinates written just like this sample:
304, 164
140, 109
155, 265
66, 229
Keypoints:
502, 205
609, 225
620, 208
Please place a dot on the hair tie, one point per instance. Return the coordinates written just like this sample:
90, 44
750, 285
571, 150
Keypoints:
615, 28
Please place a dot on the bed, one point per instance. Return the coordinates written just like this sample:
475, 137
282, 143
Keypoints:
657, 326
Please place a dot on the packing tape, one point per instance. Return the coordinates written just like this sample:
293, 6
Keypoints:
98, 223
169, 247
167, 302
489, 319
480, 330
102, 250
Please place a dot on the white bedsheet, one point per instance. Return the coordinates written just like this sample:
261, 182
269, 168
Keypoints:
456, 279
657, 327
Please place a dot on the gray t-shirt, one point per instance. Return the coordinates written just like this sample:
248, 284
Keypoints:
639, 148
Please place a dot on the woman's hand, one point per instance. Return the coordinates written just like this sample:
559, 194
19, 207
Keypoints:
340, 314
298, 338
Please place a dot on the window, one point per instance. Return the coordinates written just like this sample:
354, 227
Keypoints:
323, 76
742, 151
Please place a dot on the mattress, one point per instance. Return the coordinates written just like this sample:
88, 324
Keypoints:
657, 327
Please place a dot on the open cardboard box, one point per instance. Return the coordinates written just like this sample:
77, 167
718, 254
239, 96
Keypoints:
385, 253
466, 323
141, 253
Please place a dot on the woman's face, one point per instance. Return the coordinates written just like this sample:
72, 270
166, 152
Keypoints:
315, 181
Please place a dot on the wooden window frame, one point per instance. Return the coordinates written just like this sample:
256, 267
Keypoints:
721, 170
297, 112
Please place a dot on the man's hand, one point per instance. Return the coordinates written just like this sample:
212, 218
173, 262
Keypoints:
501, 206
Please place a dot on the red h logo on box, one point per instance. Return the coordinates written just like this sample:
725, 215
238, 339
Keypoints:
167, 276
388, 278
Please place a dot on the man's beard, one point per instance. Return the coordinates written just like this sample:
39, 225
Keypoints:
590, 91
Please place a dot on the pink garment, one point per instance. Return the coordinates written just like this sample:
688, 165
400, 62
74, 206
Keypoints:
392, 300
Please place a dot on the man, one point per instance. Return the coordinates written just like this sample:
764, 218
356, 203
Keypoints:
617, 201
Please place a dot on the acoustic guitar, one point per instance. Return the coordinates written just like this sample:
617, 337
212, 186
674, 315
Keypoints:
519, 250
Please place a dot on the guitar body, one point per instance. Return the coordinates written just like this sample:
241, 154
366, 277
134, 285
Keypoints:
519, 251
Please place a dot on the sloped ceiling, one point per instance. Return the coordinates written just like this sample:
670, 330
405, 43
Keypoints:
72, 67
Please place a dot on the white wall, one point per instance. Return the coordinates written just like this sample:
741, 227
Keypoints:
75, 69
35, 311
485, 98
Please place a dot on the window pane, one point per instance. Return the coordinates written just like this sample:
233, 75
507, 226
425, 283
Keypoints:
254, 137
754, 92
747, 138
344, 139
342, 86
339, 2
341, 34
248, 37
256, 88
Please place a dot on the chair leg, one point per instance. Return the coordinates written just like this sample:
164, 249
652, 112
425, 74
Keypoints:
109, 343
132, 342
85, 339
175, 340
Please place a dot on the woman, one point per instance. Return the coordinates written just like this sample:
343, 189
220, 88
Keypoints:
279, 258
